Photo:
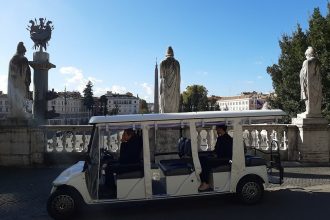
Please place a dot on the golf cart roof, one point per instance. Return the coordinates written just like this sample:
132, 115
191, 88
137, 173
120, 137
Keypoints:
226, 115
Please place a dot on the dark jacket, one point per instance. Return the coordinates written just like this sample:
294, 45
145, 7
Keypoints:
130, 151
224, 147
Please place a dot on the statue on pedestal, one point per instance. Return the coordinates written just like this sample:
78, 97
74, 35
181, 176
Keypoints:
169, 83
19, 79
311, 86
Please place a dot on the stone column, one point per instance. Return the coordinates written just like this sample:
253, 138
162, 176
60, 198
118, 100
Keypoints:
312, 139
41, 65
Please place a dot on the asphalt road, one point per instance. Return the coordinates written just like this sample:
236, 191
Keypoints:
305, 195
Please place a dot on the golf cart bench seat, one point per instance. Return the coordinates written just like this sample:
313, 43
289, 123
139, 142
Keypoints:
176, 167
221, 168
251, 161
130, 171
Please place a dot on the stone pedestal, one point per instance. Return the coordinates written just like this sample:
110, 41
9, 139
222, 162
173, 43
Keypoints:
313, 138
21, 143
41, 65
164, 141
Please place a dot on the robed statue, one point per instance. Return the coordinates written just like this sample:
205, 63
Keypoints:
19, 79
169, 83
310, 82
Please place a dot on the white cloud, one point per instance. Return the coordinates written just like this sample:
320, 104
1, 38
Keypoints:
118, 89
3, 83
260, 77
147, 88
258, 62
94, 80
249, 82
75, 79
99, 91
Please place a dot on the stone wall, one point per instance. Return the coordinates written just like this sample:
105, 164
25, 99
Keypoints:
21, 145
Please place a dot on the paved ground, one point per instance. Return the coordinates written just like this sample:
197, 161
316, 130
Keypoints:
305, 194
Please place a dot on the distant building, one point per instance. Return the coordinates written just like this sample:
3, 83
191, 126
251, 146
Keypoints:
245, 101
4, 107
122, 104
70, 107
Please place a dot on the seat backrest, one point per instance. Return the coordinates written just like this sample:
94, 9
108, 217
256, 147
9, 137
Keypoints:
187, 148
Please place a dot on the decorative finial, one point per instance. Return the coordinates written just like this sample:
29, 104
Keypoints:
40, 33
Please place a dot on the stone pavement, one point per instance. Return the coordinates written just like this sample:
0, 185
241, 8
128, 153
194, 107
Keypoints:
24, 191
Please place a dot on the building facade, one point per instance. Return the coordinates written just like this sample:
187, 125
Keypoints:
69, 106
122, 104
245, 101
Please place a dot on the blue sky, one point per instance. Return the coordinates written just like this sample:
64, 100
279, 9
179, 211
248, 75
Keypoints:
224, 45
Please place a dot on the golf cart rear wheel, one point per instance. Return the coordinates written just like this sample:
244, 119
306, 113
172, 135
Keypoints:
250, 191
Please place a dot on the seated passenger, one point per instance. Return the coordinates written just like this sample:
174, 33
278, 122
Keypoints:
222, 150
130, 153
130, 148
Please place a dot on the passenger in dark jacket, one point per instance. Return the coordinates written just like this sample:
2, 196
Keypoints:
129, 158
130, 148
223, 151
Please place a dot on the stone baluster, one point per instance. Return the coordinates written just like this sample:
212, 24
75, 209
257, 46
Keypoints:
250, 137
208, 138
285, 140
53, 145
258, 138
63, 139
83, 144
268, 138
73, 141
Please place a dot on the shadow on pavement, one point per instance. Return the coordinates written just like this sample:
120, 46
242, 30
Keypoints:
284, 204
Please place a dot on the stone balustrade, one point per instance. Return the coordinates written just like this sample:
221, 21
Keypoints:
74, 139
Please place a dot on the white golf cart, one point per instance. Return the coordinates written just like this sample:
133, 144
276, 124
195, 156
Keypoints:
164, 171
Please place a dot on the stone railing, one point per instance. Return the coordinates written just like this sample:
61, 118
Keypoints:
261, 137
65, 143
74, 139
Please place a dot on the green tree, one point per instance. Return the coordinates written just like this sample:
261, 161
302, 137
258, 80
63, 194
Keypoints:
143, 107
88, 99
213, 105
195, 99
285, 74
319, 38
104, 105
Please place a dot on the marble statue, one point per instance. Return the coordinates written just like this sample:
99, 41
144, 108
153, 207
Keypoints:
310, 82
19, 79
169, 83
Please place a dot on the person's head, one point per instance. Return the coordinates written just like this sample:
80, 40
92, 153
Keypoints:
221, 129
169, 52
20, 49
309, 52
127, 135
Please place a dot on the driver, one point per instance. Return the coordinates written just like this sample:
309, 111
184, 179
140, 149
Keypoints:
223, 150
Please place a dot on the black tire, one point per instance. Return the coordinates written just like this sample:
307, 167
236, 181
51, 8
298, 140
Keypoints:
64, 204
250, 190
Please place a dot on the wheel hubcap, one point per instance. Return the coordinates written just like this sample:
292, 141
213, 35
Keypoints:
250, 190
63, 203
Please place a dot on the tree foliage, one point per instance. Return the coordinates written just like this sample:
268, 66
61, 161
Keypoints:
195, 99
143, 107
88, 99
285, 74
104, 105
